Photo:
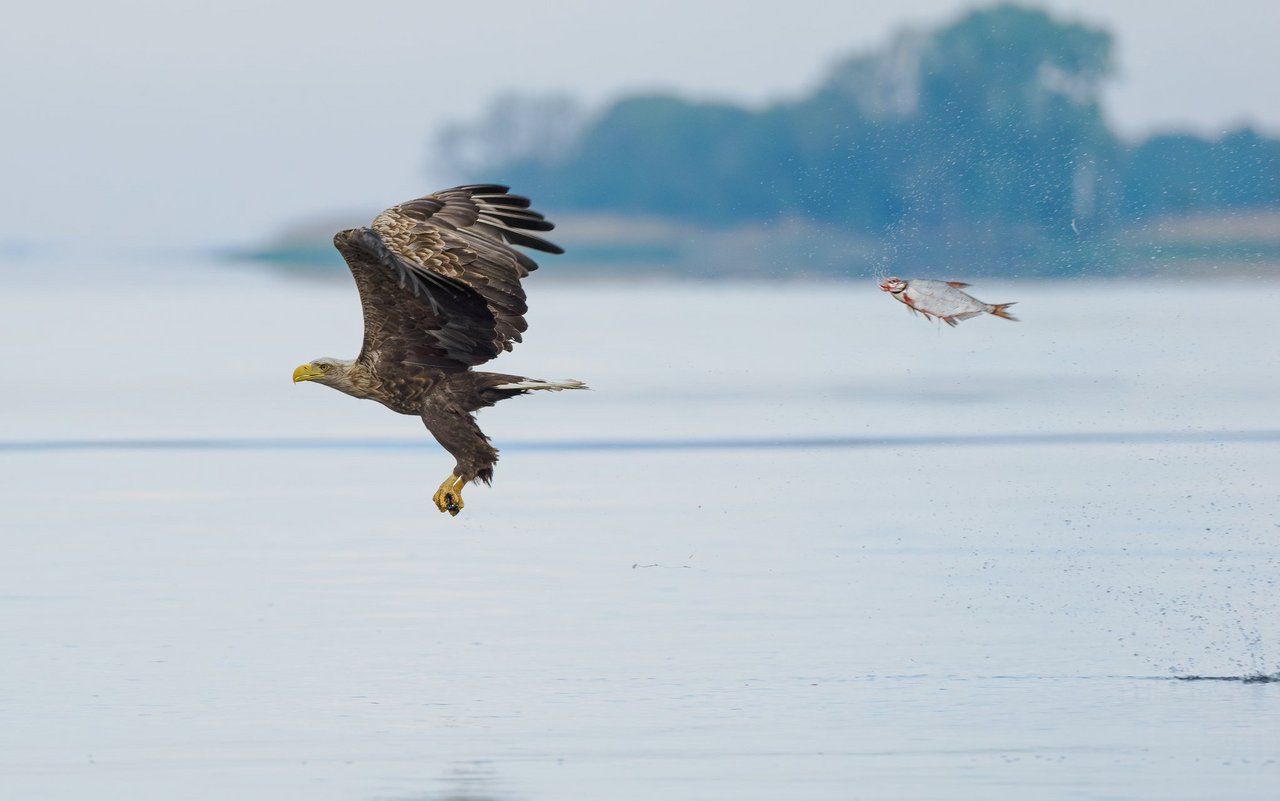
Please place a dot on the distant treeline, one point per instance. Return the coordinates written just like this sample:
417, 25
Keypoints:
985, 137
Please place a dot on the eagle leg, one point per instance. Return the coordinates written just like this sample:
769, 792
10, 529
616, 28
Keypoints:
449, 497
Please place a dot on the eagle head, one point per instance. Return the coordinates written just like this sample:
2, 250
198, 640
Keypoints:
325, 371
343, 375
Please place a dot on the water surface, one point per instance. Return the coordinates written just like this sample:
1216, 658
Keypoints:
796, 544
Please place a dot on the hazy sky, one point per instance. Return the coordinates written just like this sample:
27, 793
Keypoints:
205, 123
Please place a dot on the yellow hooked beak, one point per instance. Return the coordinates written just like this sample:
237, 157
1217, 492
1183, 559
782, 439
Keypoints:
306, 372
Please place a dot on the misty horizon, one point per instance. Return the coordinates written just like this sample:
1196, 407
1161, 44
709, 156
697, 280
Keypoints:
192, 128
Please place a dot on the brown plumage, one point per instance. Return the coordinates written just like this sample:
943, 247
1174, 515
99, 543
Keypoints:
440, 288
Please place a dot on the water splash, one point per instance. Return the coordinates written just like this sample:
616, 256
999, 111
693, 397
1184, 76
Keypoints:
1248, 678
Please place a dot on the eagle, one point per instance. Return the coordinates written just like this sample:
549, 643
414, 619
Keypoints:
439, 285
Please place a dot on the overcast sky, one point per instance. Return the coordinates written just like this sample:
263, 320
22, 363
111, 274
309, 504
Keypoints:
206, 123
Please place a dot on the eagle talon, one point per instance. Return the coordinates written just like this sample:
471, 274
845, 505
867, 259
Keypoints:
449, 497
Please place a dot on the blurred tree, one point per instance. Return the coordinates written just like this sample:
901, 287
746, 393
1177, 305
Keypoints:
664, 156
513, 128
1181, 173
1009, 120
986, 134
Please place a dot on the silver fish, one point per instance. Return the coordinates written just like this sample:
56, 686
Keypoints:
942, 299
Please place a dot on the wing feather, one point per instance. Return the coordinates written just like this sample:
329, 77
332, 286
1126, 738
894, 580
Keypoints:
415, 319
439, 279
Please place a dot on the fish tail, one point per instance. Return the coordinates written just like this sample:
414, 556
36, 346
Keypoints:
1002, 310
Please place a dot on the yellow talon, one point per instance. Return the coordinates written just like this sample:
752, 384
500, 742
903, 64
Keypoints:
449, 497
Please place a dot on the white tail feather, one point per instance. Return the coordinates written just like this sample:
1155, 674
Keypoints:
554, 386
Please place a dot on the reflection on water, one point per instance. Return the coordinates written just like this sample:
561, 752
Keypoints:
464, 781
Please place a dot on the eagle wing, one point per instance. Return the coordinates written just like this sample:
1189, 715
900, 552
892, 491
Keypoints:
439, 281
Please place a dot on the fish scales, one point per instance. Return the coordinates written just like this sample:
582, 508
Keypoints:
945, 300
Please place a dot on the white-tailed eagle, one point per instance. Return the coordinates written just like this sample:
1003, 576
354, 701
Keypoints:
439, 283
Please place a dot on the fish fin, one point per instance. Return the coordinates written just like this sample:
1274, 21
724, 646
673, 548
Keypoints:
951, 321
1002, 310
957, 284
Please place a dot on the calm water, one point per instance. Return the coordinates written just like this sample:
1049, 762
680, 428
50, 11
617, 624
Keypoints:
796, 544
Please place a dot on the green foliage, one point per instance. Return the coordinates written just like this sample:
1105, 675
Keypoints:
1180, 173
664, 155
986, 135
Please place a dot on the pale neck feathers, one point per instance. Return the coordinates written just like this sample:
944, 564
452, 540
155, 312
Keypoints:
352, 378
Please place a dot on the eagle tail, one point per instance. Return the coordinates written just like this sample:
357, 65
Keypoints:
528, 384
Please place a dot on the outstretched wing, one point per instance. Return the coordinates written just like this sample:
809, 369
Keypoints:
439, 281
